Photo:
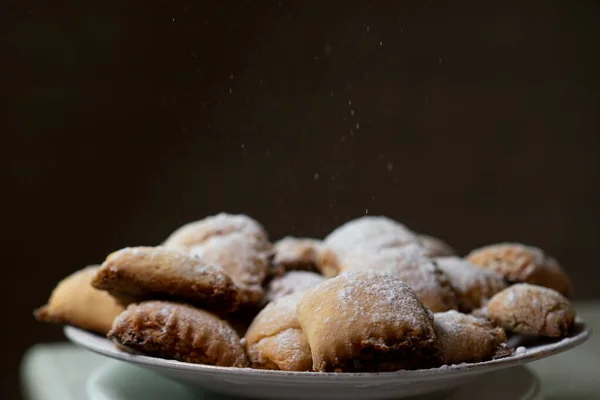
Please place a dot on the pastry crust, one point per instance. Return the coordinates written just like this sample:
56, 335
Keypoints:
179, 332
237, 243
520, 263
473, 286
435, 247
292, 253
532, 310
142, 273
275, 339
75, 302
242, 261
465, 338
360, 231
292, 282
410, 264
367, 321
197, 232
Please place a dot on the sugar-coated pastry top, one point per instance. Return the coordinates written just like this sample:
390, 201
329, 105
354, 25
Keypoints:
410, 264
520, 263
473, 286
292, 282
359, 231
532, 310
197, 232
241, 258
365, 232
466, 338
349, 318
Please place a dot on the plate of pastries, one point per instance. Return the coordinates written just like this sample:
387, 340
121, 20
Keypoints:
373, 310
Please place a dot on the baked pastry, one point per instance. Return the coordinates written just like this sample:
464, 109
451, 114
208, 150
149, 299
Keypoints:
520, 263
75, 302
367, 321
292, 253
435, 247
240, 258
292, 282
410, 264
275, 339
142, 273
473, 286
465, 338
360, 231
195, 233
532, 310
237, 243
179, 332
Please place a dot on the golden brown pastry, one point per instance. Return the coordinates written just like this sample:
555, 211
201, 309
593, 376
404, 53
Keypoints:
520, 263
75, 302
292, 253
473, 286
275, 339
532, 310
410, 264
179, 332
292, 282
240, 258
142, 273
465, 338
435, 247
367, 321
360, 231
195, 233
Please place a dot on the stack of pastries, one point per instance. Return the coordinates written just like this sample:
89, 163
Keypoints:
372, 296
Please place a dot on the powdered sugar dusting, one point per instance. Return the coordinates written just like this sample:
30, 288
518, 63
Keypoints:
463, 275
292, 282
410, 264
375, 298
473, 285
359, 231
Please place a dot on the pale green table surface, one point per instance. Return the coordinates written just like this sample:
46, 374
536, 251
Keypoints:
60, 371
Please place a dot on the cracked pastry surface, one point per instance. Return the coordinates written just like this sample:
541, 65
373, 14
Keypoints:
75, 302
360, 231
473, 286
275, 339
367, 321
292, 282
521, 263
410, 264
532, 310
291, 253
141, 273
465, 338
180, 332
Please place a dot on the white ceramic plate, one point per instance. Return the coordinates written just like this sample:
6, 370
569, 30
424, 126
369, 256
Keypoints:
309, 385
123, 381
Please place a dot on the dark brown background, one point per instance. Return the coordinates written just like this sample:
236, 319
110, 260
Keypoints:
473, 122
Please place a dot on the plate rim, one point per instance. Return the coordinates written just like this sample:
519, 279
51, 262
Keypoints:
97, 344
